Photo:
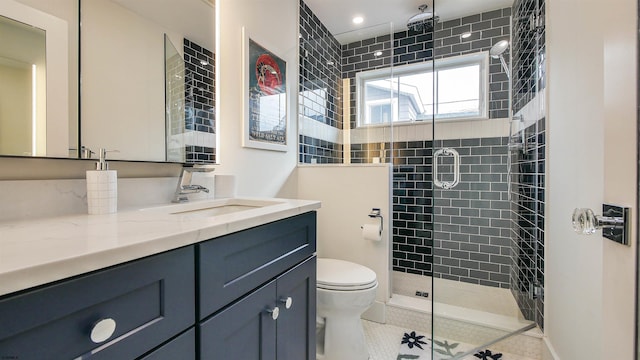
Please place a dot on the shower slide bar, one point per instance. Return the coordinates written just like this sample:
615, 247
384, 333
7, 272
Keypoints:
456, 168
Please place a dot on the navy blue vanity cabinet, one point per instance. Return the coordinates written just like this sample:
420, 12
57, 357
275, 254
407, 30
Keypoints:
122, 312
257, 292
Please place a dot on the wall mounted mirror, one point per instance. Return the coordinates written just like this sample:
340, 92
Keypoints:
124, 70
38, 68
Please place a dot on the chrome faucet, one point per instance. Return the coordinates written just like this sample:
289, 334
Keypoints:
184, 184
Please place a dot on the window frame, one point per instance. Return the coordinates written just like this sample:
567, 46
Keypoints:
393, 73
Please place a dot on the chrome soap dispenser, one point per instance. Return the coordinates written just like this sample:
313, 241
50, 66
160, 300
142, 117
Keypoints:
102, 187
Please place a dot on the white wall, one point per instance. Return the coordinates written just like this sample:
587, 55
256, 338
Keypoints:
589, 280
273, 24
348, 193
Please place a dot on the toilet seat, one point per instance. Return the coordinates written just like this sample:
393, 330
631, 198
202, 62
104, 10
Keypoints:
343, 275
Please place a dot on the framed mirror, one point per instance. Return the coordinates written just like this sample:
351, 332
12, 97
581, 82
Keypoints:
38, 67
145, 62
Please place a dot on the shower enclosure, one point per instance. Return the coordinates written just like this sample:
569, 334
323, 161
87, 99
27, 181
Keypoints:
453, 103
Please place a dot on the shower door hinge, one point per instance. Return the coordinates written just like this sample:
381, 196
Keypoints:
535, 291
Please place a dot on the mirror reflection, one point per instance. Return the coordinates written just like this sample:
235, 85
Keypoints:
136, 96
23, 98
37, 112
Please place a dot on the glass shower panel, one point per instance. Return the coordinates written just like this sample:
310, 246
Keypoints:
477, 255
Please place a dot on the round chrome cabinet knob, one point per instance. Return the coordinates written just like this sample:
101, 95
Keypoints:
103, 330
275, 312
288, 302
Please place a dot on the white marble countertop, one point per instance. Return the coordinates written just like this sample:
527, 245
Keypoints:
36, 252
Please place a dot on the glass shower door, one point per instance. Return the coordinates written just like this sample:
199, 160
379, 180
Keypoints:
486, 208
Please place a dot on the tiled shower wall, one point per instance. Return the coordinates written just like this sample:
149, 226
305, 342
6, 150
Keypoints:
464, 235
528, 163
199, 100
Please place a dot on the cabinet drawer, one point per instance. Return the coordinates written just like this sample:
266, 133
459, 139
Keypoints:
150, 300
233, 265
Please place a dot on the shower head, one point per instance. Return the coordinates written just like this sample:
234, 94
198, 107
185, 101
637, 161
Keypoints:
497, 52
499, 48
425, 20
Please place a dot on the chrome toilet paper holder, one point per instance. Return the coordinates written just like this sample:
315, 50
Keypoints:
375, 213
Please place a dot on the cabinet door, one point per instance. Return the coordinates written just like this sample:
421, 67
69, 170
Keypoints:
243, 331
296, 325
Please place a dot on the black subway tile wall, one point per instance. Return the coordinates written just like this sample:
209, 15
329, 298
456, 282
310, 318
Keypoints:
486, 29
528, 51
199, 99
412, 207
460, 234
174, 100
320, 87
318, 151
528, 163
527, 191
471, 236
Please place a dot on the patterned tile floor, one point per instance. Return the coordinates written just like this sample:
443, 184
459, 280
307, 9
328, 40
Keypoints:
384, 342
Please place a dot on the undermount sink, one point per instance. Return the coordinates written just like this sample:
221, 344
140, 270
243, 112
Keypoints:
206, 208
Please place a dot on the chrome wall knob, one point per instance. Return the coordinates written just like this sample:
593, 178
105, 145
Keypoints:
584, 221
103, 330
614, 222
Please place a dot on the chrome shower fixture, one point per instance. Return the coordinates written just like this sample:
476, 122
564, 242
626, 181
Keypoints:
497, 52
425, 20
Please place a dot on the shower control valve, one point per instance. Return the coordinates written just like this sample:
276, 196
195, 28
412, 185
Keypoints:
614, 222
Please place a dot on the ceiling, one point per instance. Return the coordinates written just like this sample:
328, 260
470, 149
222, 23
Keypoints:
336, 15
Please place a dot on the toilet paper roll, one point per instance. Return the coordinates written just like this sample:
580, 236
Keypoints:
372, 232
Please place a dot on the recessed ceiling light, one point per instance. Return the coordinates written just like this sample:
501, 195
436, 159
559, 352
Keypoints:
358, 20
330, 63
204, 62
465, 35
377, 53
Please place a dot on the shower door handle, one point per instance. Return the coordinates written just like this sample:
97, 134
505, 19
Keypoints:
456, 168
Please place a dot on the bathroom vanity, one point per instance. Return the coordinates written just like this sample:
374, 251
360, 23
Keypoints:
239, 285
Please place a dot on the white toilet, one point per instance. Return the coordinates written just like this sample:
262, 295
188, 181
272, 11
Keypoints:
345, 291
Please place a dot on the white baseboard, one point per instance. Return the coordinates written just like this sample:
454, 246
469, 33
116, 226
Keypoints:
548, 353
377, 313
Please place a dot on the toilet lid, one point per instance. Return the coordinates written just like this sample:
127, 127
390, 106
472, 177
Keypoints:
336, 274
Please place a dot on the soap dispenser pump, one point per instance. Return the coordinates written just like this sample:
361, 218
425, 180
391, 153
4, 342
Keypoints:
102, 187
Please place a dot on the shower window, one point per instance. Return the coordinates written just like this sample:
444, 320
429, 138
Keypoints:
408, 95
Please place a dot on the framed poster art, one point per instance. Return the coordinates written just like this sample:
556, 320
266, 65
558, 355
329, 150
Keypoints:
265, 91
